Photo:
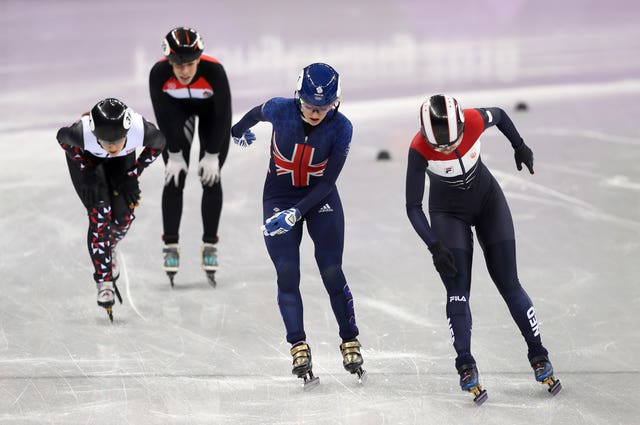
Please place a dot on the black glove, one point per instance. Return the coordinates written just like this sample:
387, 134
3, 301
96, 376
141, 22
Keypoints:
523, 154
89, 189
129, 190
443, 259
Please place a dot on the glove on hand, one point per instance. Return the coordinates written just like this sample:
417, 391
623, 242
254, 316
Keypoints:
443, 259
209, 169
175, 165
89, 189
281, 222
523, 154
129, 189
246, 139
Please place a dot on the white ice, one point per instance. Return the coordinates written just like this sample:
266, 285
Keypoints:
198, 355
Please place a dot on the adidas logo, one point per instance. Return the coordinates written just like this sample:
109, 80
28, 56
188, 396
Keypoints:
325, 208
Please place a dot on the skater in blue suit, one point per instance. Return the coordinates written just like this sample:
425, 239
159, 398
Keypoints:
309, 145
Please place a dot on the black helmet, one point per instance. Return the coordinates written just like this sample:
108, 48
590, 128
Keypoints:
110, 120
182, 45
441, 120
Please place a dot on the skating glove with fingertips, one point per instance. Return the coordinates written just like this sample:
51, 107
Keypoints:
443, 259
281, 222
209, 169
89, 189
245, 140
523, 154
129, 189
174, 167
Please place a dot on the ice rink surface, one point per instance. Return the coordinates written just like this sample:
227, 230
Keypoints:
198, 355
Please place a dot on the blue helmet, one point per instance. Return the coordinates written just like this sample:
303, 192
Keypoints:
319, 85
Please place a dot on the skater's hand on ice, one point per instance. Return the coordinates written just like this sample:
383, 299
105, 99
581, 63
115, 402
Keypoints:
209, 169
281, 222
443, 259
523, 154
175, 166
245, 140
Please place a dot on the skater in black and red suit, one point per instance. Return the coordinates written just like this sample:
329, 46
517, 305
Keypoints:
187, 84
101, 157
464, 194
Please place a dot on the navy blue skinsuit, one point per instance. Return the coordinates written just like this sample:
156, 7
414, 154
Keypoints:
304, 166
462, 194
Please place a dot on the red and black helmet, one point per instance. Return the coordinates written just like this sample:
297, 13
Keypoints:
441, 121
182, 45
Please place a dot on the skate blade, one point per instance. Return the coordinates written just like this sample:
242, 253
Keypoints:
554, 385
110, 313
480, 395
362, 375
310, 383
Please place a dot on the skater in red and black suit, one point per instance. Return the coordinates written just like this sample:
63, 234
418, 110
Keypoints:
101, 157
464, 194
184, 85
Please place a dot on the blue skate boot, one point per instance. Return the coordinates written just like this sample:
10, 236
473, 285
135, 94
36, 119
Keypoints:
469, 382
543, 371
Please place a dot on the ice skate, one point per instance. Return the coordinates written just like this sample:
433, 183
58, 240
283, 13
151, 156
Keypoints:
301, 354
171, 254
107, 291
210, 261
543, 371
352, 359
469, 382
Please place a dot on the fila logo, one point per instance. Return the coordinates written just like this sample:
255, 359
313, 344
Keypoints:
325, 208
457, 298
533, 322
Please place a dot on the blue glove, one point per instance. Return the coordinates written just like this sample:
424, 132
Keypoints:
245, 140
281, 222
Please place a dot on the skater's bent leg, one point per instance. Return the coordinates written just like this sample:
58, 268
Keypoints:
172, 198
284, 252
501, 263
341, 301
99, 241
458, 311
326, 229
122, 216
211, 206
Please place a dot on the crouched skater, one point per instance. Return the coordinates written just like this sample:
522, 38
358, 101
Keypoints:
101, 157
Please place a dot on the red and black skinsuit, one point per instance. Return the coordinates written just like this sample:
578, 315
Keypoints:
175, 105
92, 168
